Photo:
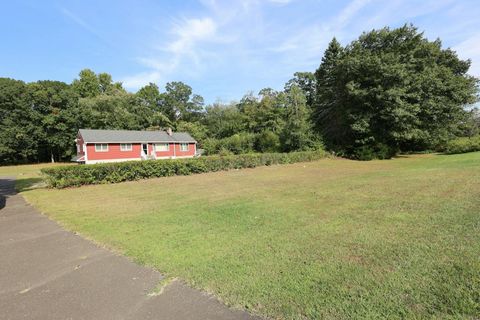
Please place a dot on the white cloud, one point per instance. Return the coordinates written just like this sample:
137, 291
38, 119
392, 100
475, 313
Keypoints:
263, 41
350, 11
84, 25
281, 2
141, 79
165, 58
189, 32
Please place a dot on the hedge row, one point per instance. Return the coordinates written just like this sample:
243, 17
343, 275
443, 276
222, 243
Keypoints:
462, 145
70, 176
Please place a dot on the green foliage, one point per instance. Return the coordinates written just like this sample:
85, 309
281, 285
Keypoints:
88, 84
237, 144
463, 145
179, 103
223, 120
297, 132
390, 90
267, 141
197, 130
70, 176
307, 82
21, 133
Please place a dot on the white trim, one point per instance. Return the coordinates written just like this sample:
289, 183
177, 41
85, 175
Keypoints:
85, 150
111, 160
172, 157
130, 147
158, 144
142, 152
149, 141
101, 147
183, 144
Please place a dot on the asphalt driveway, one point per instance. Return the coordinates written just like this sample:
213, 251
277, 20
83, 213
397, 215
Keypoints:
49, 273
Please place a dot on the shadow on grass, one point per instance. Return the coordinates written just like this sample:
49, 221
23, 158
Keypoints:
10, 187
26, 184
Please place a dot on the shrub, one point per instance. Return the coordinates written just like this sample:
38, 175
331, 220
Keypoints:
72, 176
237, 144
267, 141
376, 151
462, 145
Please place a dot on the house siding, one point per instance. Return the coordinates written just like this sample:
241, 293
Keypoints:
113, 152
174, 151
165, 154
189, 153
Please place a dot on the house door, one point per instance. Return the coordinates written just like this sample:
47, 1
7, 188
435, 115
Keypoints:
145, 149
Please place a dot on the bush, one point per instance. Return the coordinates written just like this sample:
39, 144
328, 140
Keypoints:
462, 145
71, 176
267, 141
237, 144
369, 152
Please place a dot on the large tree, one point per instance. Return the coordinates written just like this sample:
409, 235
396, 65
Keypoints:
307, 82
20, 128
55, 106
390, 90
297, 131
179, 103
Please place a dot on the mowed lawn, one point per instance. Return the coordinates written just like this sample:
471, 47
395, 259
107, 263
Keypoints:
330, 239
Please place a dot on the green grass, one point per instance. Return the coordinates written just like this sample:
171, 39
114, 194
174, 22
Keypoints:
334, 239
27, 176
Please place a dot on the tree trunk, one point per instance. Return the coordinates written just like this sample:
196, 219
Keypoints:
52, 157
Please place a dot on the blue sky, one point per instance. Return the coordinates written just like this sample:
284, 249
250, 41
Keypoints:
223, 49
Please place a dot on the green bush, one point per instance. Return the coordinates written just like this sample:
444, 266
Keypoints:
267, 141
237, 144
376, 151
72, 176
462, 145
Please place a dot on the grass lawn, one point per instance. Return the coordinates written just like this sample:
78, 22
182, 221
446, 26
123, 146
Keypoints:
328, 239
26, 175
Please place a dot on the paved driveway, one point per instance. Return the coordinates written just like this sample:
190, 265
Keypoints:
49, 273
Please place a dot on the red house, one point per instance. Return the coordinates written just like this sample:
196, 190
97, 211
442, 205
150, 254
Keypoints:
96, 146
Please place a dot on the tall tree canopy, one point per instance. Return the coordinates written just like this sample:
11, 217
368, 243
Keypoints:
390, 90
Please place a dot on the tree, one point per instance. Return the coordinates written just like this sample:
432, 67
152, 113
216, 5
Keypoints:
390, 90
262, 113
197, 130
19, 129
88, 84
178, 103
53, 101
149, 96
297, 133
307, 82
223, 120
327, 114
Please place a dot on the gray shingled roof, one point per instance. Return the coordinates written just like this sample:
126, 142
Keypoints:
120, 136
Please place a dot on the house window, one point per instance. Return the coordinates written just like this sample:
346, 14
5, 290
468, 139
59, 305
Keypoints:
78, 148
162, 147
183, 146
125, 147
101, 147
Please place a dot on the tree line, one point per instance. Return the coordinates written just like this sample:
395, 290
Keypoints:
389, 91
